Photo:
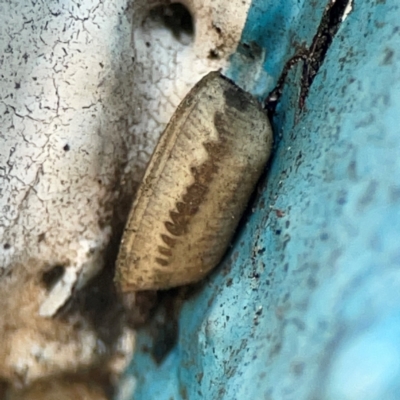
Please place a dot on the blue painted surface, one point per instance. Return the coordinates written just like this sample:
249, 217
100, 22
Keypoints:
306, 304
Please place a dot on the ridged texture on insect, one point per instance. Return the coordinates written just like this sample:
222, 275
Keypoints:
196, 187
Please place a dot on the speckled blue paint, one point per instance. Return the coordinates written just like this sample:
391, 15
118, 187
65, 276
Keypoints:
306, 304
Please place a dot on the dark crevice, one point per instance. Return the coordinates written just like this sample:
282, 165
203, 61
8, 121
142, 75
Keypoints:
175, 17
52, 276
313, 57
98, 304
274, 96
327, 30
163, 328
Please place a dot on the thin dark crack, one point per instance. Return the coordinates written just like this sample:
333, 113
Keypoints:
15, 112
327, 30
57, 96
274, 96
313, 57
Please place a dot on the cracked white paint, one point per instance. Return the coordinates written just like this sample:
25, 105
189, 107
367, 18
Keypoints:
85, 90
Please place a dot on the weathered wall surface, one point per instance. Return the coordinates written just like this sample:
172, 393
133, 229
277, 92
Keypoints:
85, 90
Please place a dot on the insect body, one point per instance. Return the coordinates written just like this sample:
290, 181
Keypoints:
196, 187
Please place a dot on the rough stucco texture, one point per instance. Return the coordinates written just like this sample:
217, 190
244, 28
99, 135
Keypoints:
85, 90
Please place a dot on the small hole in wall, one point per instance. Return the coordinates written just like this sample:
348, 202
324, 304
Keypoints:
176, 18
250, 50
213, 54
52, 276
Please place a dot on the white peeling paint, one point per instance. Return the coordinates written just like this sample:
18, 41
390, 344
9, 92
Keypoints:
348, 10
